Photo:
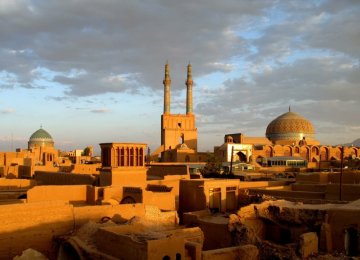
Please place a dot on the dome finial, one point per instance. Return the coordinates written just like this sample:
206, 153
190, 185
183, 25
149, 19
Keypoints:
289, 108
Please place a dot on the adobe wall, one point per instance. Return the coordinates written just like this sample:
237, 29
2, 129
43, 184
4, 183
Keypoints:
317, 177
42, 168
216, 232
138, 242
288, 194
347, 177
8, 184
113, 193
258, 184
340, 220
71, 193
246, 252
34, 225
255, 140
197, 200
163, 200
122, 213
171, 246
25, 171
126, 248
194, 194
169, 169
308, 187
349, 192
132, 176
61, 178
86, 168
10, 171
170, 181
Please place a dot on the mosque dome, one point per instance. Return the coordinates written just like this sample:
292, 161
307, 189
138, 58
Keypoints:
290, 127
40, 138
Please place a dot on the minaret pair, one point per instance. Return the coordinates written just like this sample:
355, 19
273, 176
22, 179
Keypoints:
188, 83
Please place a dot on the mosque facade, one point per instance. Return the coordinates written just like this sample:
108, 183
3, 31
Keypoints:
178, 131
289, 138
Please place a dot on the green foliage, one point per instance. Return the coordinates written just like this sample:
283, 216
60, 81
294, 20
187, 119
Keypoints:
212, 167
86, 151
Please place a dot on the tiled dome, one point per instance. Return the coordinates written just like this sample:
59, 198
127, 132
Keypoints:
290, 126
41, 138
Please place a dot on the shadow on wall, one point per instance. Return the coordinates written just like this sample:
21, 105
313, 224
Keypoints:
22, 223
35, 225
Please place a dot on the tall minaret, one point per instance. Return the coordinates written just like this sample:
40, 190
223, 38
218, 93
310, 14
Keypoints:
167, 83
189, 83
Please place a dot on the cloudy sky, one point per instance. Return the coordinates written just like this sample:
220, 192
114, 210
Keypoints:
91, 71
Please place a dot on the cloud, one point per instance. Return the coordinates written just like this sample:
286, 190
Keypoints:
100, 111
7, 111
265, 55
324, 90
121, 39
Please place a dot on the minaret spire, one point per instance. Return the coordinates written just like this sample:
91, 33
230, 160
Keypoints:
189, 84
167, 83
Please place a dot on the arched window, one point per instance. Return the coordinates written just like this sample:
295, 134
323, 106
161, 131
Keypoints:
132, 157
117, 159
181, 139
141, 157
122, 156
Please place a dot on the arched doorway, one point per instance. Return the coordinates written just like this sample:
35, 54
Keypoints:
351, 241
287, 151
324, 153
242, 156
128, 200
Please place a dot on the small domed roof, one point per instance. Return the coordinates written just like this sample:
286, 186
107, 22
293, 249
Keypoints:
290, 126
41, 138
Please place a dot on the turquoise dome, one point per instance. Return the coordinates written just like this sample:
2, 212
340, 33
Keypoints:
41, 138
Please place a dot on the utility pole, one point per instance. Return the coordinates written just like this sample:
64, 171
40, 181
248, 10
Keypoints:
231, 160
341, 172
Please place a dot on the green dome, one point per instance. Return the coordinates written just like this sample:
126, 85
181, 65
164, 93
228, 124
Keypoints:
41, 138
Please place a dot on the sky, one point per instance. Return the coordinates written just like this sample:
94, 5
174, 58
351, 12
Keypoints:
91, 71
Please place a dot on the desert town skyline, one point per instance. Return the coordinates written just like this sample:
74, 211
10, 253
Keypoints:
248, 67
